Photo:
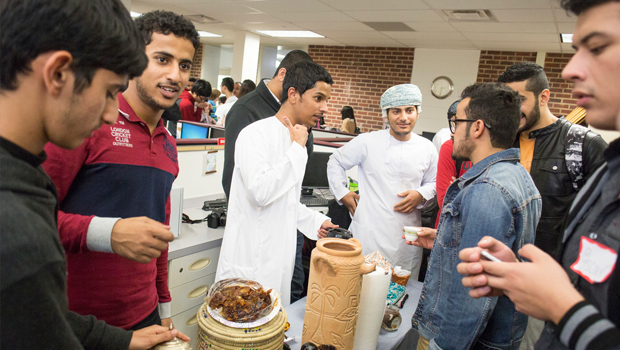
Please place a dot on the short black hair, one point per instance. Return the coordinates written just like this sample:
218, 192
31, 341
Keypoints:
347, 113
223, 99
578, 6
303, 76
291, 59
99, 34
201, 88
229, 83
247, 86
192, 80
166, 22
530, 71
498, 106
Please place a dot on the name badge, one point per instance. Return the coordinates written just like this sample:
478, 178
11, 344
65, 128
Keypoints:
596, 261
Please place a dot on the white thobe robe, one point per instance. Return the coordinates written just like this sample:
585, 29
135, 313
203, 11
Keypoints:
264, 211
386, 167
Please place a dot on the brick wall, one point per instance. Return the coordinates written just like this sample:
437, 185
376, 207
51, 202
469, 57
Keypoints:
361, 75
561, 102
196, 70
493, 63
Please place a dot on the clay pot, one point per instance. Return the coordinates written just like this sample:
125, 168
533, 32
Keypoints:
334, 287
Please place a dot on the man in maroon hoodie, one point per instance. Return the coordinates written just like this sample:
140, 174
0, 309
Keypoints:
193, 101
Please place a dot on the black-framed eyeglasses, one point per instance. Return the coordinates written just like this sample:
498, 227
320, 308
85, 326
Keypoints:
452, 123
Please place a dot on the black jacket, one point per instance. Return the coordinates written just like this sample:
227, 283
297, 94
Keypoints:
552, 179
33, 267
254, 106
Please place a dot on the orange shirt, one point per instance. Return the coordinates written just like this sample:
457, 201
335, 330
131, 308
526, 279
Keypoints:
527, 152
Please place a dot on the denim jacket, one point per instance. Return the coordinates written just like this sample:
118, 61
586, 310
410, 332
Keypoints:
497, 198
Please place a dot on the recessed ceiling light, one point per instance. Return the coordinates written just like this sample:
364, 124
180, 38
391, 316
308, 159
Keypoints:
208, 35
290, 33
134, 14
566, 38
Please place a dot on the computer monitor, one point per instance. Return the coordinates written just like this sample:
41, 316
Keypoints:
316, 171
217, 133
428, 135
193, 131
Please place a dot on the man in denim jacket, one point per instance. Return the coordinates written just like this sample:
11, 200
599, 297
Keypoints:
496, 197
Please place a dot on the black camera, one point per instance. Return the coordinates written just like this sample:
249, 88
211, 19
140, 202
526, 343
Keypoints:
217, 218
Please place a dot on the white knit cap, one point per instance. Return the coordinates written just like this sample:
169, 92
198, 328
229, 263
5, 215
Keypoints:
401, 95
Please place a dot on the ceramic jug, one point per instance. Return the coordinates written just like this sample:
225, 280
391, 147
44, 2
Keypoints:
334, 286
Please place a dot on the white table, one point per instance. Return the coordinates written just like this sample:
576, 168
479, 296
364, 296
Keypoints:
387, 340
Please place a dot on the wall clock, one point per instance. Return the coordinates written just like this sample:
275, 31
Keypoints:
442, 87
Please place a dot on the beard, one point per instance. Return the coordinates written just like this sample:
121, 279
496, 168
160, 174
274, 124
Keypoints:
148, 99
530, 120
464, 150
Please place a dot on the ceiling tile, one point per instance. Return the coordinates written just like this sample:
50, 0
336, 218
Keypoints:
438, 44
270, 26
566, 27
521, 37
318, 41
487, 4
425, 35
505, 27
387, 42
333, 25
517, 46
396, 16
562, 16
290, 6
356, 34
431, 26
524, 16
367, 5
217, 9
328, 16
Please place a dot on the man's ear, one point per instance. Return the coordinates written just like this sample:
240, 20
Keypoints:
57, 71
545, 95
292, 94
281, 74
477, 128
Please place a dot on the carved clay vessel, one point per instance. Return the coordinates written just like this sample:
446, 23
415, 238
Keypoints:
334, 287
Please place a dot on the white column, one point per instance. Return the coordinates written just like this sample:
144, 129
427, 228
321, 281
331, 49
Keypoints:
269, 57
210, 65
540, 58
245, 56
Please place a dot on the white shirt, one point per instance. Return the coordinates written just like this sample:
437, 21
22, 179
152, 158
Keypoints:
386, 167
264, 211
440, 137
221, 111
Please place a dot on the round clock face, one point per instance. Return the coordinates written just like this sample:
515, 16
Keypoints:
442, 87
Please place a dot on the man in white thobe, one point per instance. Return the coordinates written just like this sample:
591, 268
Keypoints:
264, 211
396, 170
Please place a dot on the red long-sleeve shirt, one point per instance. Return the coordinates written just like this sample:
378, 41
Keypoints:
187, 107
122, 171
446, 170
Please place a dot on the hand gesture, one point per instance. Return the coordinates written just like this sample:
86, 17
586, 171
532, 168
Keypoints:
426, 238
326, 226
299, 133
140, 239
148, 337
412, 199
350, 201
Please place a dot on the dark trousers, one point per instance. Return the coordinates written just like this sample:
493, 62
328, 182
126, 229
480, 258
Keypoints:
297, 283
151, 319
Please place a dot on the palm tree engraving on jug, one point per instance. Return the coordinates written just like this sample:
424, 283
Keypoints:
334, 287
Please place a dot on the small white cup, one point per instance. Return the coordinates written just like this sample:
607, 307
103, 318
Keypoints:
411, 233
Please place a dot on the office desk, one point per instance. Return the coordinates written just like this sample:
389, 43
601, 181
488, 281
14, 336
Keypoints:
387, 340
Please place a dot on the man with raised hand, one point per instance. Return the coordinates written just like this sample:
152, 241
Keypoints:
264, 212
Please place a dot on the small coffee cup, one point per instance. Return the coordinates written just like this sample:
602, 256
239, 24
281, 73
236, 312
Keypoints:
411, 233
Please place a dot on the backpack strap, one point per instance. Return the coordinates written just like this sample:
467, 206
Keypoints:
573, 154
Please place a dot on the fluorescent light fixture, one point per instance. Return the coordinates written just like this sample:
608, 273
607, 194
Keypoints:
208, 35
134, 14
290, 33
566, 38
